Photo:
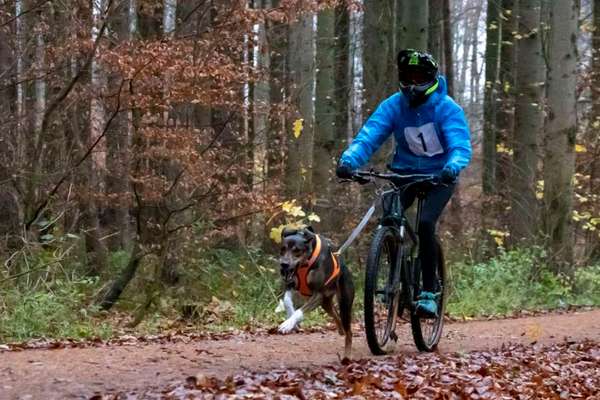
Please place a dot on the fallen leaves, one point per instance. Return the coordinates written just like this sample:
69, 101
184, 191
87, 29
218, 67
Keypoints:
561, 371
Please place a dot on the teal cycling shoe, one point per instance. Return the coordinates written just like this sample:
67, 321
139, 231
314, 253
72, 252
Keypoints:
427, 305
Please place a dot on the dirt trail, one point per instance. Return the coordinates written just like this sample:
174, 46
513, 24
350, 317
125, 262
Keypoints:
75, 373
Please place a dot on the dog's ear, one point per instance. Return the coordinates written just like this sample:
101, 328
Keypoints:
288, 232
309, 234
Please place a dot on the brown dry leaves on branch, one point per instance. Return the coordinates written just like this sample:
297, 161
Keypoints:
562, 371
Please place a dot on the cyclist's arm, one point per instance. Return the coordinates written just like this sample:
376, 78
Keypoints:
373, 134
458, 139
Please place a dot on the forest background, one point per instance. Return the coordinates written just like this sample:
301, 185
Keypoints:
151, 150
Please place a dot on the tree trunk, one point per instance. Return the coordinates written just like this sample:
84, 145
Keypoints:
356, 74
96, 167
299, 169
505, 116
529, 123
169, 14
325, 116
561, 128
378, 76
20, 41
490, 101
474, 103
593, 136
414, 24
260, 119
448, 43
277, 34
436, 29
465, 46
377, 51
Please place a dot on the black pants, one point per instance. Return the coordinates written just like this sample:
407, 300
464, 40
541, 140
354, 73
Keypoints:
434, 204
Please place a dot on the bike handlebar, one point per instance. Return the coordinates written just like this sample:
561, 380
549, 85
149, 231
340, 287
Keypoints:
398, 180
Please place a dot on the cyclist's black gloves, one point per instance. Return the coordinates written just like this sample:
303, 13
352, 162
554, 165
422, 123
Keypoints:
344, 170
448, 175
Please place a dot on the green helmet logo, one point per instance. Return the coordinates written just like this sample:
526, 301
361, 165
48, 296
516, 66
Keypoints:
414, 59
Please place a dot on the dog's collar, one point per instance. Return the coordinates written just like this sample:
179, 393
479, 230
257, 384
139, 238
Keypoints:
315, 253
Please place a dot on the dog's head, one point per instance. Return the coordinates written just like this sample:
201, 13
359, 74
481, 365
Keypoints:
296, 248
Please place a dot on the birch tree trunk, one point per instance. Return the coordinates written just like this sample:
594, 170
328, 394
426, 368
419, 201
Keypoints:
474, 73
40, 82
355, 72
169, 14
529, 122
19, 45
467, 22
299, 169
98, 81
561, 129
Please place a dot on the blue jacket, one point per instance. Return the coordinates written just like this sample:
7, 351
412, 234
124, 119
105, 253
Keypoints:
428, 138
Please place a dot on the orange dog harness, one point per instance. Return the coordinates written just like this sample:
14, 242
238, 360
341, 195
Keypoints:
303, 270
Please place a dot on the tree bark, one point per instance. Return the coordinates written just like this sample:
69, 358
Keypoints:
448, 43
356, 74
561, 129
529, 120
377, 33
260, 119
593, 136
435, 36
325, 116
299, 169
414, 24
505, 116
490, 101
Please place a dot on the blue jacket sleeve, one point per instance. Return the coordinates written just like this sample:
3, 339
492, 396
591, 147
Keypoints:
456, 132
372, 135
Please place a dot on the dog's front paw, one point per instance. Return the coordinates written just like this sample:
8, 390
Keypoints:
287, 326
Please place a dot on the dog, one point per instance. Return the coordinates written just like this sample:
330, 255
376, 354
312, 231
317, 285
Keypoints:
309, 267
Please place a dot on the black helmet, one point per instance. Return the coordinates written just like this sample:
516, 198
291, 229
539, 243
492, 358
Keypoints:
417, 74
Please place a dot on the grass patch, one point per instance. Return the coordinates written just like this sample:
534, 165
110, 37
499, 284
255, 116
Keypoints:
59, 310
518, 280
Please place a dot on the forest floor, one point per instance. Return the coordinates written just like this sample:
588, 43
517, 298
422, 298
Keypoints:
259, 363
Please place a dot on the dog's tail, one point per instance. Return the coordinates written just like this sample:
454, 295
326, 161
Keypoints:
346, 290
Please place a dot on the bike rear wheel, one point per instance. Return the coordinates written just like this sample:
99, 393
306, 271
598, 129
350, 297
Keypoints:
381, 297
428, 331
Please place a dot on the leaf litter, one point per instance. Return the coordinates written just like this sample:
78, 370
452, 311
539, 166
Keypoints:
566, 370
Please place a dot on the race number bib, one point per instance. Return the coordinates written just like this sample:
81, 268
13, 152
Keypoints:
423, 141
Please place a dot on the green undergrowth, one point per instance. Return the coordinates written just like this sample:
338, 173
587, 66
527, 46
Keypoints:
57, 310
220, 289
518, 280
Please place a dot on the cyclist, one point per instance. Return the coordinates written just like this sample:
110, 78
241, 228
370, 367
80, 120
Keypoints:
432, 137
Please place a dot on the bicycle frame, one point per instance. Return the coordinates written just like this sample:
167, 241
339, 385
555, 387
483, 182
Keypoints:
396, 218
402, 286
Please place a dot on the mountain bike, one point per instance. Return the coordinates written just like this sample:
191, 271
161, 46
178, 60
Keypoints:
393, 273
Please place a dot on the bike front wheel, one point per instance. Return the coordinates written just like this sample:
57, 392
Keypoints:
382, 290
428, 331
